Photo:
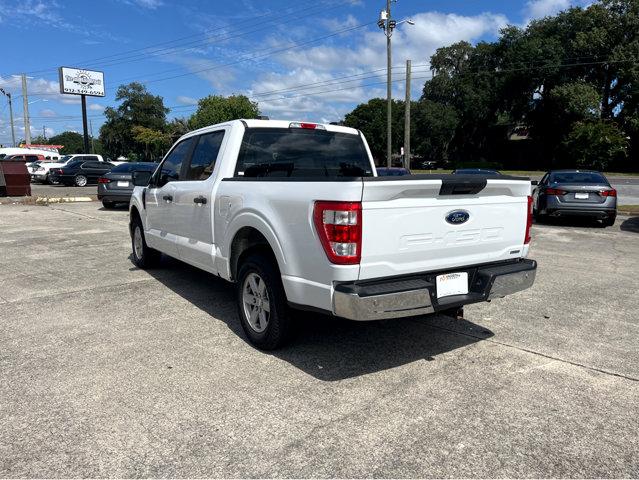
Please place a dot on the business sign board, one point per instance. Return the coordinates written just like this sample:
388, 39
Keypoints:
78, 81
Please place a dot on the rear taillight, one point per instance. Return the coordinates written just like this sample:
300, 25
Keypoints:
310, 126
529, 221
555, 191
103, 180
339, 226
608, 193
60, 171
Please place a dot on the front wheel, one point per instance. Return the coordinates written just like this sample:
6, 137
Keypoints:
81, 181
261, 301
143, 256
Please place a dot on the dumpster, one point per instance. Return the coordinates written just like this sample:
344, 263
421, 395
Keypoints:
15, 180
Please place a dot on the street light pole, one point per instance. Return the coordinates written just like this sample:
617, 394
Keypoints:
387, 24
407, 118
389, 83
13, 132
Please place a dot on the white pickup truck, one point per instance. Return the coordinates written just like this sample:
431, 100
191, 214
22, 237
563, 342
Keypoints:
294, 214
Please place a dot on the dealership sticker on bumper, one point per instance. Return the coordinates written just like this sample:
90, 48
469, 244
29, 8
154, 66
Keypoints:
452, 284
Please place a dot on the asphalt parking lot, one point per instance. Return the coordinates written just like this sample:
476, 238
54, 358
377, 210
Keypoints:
108, 370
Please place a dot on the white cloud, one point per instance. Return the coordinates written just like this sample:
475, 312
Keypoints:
96, 107
367, 53
543, 8
184, 100
47, 112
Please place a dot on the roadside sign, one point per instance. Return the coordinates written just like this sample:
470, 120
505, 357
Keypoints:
78, 81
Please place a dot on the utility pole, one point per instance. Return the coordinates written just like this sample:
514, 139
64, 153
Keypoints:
44, 132
389, 89
407, 118
25, 109
13, 132
387, 24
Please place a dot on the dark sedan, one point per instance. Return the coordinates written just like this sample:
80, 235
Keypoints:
116, 186
80, 172
575, 193
392, 171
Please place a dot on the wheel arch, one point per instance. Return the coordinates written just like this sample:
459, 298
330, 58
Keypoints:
246, 241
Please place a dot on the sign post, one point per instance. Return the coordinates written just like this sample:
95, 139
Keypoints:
78, 81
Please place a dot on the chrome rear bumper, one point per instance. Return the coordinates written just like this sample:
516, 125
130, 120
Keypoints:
417, 294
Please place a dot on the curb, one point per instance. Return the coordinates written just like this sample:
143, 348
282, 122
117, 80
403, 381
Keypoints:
49, 200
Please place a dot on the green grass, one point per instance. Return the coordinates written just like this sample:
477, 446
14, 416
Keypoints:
628, 209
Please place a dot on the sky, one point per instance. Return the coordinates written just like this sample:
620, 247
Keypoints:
304, 60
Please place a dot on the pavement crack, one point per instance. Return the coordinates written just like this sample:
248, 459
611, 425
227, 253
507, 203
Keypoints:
540, 354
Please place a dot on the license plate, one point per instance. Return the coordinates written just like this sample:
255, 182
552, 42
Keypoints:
581, 196
123, 184
452, 284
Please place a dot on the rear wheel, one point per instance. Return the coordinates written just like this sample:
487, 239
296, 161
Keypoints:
610, 221
50, 180
261, 301
143, 256
80, 181
108, 204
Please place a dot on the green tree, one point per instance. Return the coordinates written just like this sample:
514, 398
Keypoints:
73, 142
370, 118
217, 109
597, 144
155, 142
137, 108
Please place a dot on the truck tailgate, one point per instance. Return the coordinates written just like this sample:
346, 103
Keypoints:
407, 223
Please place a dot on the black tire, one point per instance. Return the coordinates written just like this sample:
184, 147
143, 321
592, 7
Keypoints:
108, 204
609, 222
50, 181
81, 181
143, 256
278, 325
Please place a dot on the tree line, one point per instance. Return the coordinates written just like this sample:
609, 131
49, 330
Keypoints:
561, 92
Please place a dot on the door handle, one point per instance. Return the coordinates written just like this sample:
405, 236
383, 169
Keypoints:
201, 200
168, 198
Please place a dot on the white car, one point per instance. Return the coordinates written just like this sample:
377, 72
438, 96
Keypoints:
294, 214
40, 172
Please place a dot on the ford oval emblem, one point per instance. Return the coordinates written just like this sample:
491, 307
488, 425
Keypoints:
457, 217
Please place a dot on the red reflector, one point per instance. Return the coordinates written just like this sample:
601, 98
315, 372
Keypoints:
339, 227
555, 191
103, 180
608, 193
529, 221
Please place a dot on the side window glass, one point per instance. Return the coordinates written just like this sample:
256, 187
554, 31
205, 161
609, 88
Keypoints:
204, 156
172, 165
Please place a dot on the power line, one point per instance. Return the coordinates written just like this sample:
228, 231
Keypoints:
143, 50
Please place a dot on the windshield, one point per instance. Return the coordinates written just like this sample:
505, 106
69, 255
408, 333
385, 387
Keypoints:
578, 177
299, 152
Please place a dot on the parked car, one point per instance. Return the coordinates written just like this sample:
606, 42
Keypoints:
475, 171
116, 186
392, 172
41, 173
588, 193
25, 158
51, 154
80, 172
294, 214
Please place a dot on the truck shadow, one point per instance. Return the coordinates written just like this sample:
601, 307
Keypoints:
325, 347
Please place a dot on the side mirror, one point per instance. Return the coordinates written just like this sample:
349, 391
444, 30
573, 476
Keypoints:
141, 179
534, 182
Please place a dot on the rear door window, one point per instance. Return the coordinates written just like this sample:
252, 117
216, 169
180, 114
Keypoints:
299, 152
204, 156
